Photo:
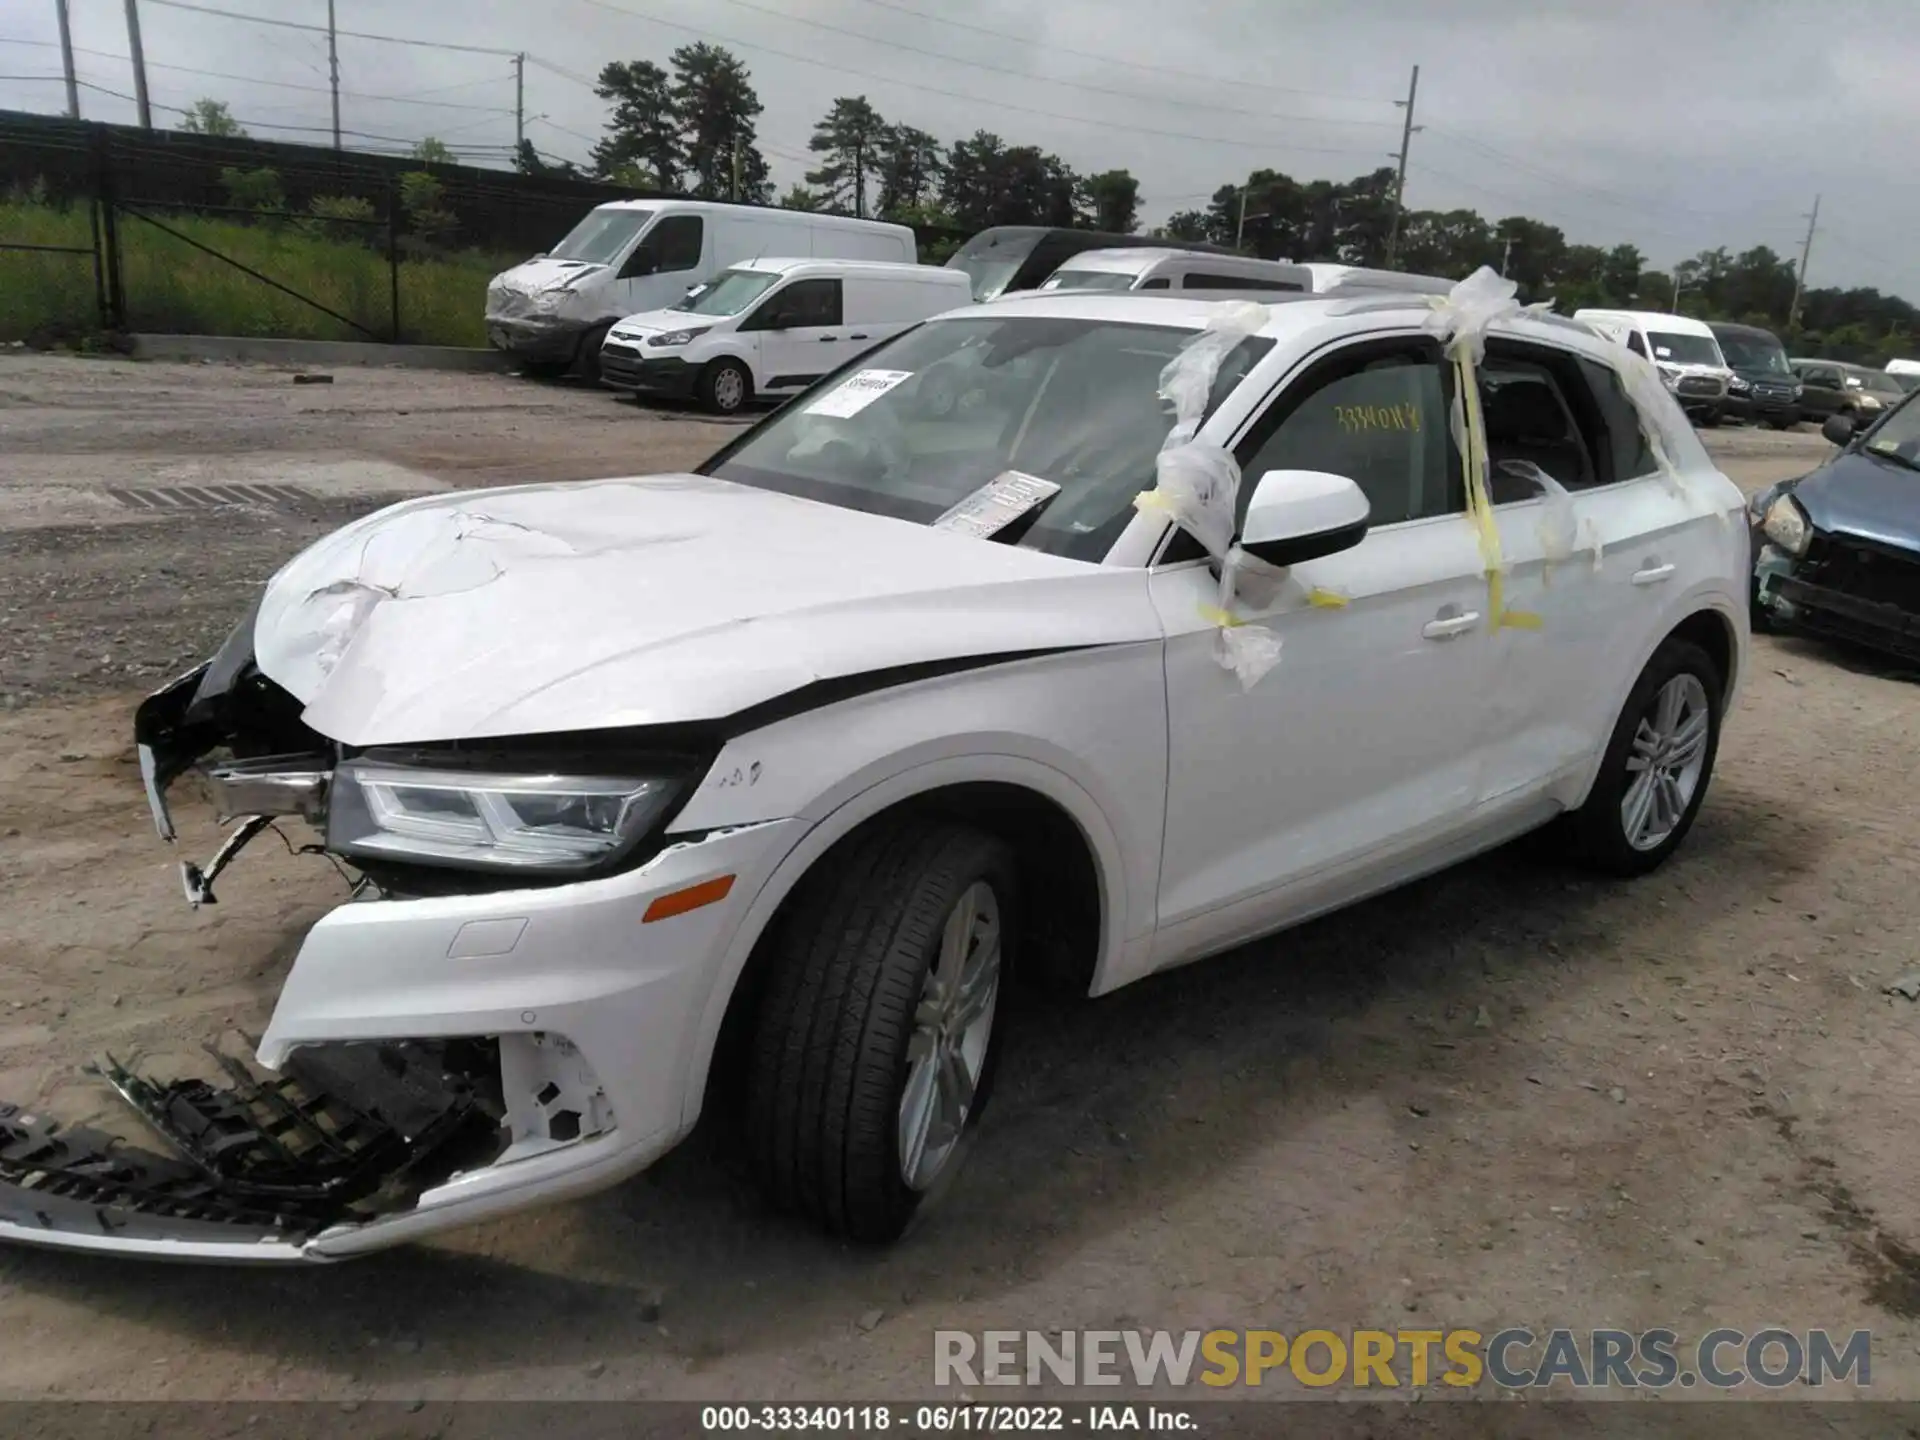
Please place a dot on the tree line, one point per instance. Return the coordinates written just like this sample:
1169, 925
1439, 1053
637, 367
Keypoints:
691, 127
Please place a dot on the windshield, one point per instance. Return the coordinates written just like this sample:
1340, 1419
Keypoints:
601, 236
1897, 436
993, 258
1088, 280
1755, 352
930, 418
1684, 349
730, 293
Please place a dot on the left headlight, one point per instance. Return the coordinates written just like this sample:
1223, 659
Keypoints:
491, 821
1786, 525
1737, 385
678, 337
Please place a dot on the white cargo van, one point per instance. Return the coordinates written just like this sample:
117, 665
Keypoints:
1146, 268
636, 255
774, 326
1684, 349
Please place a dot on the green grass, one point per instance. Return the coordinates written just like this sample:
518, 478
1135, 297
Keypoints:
172, 288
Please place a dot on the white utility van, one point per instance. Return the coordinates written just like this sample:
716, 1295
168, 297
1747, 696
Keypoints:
1907, 372
635, 255
1146, 268
774, 326
1685, 350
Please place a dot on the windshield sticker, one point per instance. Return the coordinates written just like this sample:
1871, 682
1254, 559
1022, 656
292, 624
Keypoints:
997, 504
856, 392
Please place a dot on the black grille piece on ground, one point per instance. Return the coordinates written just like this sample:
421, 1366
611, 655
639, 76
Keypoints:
345, 1133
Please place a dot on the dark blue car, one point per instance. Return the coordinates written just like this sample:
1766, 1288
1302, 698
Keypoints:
1837, 552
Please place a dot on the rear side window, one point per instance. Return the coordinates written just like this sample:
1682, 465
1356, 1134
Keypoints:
1376, 414
1159, 282
677, 240
1537, 412
1626, 455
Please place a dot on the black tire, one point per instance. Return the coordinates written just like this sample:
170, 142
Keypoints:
827, 1064
545, 369
1596, 831
586, 359
720, 397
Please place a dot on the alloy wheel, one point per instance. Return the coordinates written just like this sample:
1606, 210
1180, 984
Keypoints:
1665, 762
953, 1024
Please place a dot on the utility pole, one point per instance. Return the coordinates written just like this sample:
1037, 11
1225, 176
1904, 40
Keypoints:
1400, 182
1506, 254
66, 59
734, 193
139, 58
333, 71
1800, 277
519, 99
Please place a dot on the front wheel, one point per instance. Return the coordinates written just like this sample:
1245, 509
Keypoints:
1657, 765
875, 1038
725, 387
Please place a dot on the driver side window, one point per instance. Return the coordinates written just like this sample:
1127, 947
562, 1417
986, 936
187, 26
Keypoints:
1635, 344
1375, 413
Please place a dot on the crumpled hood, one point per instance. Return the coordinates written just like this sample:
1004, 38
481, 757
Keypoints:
531, 277
553, 608
1861, 495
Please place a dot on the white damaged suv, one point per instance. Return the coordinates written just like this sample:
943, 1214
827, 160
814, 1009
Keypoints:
1062, 639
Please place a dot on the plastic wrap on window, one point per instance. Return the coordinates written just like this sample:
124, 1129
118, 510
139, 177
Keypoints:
1197, 485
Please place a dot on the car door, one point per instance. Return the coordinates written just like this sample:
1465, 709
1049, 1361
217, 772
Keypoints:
1823, 392
800, 334
666, 264
1553, 688
1355, 753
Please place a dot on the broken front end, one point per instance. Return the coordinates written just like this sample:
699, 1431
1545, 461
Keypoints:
491, 1020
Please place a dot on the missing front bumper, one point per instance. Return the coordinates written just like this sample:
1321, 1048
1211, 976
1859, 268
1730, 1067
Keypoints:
347, 1135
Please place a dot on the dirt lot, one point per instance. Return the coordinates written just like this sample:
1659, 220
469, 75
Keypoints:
1505, 1096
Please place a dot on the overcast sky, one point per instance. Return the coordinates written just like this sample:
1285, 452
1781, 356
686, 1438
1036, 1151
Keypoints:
1674, 124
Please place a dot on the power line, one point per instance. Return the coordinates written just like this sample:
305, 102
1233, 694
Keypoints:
1133, 95
290, 84
914, 85
321, 29
1130, 64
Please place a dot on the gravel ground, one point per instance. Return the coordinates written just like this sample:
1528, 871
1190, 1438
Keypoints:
1507, 1095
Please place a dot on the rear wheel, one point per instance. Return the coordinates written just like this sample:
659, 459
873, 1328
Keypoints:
1657, 765
875, 1039
725, 387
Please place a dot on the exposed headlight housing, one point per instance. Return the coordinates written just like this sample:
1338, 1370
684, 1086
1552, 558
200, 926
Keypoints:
1787, 526
1870, 402
1738, 385
1669, 376
490, 820
678, 337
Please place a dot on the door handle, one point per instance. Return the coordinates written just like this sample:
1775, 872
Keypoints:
1653, 575
1449, 626
856, 337
825, 338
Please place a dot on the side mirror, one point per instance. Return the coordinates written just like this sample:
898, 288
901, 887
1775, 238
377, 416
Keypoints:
1838, 430
1298, 515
